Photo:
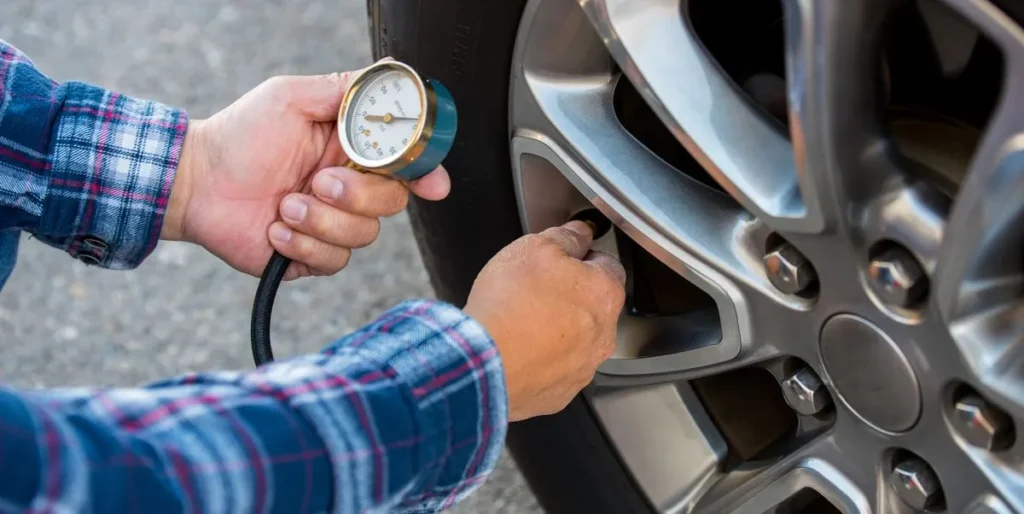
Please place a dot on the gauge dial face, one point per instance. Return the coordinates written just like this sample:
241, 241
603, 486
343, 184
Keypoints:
384, 115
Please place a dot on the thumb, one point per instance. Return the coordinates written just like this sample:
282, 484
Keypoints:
573, 238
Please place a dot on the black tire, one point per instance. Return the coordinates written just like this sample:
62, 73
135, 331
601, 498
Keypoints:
468, 45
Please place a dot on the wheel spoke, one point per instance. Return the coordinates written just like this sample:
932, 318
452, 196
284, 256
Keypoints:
725, 353
988, 204
980, 275
690, 451
819, 466
743, 150
833, 53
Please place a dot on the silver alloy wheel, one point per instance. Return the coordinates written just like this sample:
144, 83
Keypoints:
832, 189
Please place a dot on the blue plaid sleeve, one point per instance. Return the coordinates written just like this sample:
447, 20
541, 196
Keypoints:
84, 169
407, 415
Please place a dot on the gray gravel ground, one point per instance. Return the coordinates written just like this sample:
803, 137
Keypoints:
64, 324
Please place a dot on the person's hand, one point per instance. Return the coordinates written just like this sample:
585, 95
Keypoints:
263, 175
551, 306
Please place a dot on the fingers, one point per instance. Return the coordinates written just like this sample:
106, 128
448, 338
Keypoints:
376, 195
319, 256
318, 230
573, 238
607, 265
313, 217
610, 282
364, 194
433, 186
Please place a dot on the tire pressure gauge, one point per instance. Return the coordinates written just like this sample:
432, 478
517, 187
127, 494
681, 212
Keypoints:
392, 122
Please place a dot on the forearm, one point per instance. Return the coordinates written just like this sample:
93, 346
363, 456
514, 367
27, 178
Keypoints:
407, 414
84, 169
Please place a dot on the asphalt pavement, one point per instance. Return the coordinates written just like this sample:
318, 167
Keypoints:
63, 324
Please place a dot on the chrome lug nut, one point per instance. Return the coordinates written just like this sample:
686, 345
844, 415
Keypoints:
805, 393
983, 424
916, 483
897, 277
788, 270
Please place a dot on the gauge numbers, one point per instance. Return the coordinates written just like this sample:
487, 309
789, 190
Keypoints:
385, 115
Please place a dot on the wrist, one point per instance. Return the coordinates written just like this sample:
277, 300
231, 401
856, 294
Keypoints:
496, 327
176, 215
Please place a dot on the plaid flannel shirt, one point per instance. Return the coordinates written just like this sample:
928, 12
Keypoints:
406, 415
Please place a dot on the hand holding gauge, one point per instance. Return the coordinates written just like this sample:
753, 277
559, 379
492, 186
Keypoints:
391, 122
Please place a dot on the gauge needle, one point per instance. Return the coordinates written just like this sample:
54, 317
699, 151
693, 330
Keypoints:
386, 118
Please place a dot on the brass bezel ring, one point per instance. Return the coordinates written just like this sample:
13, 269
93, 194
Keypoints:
420, 138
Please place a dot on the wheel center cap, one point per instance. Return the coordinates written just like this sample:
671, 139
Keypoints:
870, 373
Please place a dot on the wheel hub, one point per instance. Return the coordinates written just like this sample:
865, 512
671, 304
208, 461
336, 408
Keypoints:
870, 373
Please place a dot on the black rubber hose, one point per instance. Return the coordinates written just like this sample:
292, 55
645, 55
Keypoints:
263, 307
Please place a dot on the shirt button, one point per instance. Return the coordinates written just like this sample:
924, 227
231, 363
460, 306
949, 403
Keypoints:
95, 242
88, 259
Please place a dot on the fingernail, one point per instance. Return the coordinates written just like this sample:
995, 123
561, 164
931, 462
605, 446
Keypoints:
280, 233
328, 186
294, 209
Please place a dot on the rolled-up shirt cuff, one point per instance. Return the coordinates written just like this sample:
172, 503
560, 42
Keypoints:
114, 160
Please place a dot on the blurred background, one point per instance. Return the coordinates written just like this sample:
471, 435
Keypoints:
62, 324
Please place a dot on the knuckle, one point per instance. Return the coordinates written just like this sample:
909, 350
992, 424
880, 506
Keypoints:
374, 198
616, 294
397, 199
342, 79
384, 199
343, 228
320, 223
607, 285
304, 248
538, 250
533, 241
276, 82
516, 251
279, 86
617, 271
612, 273
345, 258
365, 232
555, 234
336, 77
587, 319
545, 238
355, 198
338, 263
559, 235
585, 322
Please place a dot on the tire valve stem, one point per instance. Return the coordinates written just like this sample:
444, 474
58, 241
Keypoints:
598, 223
